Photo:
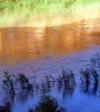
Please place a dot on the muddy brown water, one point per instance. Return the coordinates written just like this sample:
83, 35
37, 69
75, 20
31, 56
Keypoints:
48, 46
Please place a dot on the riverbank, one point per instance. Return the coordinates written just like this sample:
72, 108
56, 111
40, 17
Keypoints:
46, 17
16, 5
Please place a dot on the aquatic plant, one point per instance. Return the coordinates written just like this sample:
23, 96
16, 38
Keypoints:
30, 110
43, 89
86, 75
8, 83
68, 78
95, 60
52, 78
89, 75
6, 107
47, 80
24, 81
48, 104
95, 76
59, 80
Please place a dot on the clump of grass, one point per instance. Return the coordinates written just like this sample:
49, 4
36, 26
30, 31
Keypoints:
30, 110
6, 107
68, 79
86, 76
48, 104
44, 89
95, 76
8, 83
96, 60
24, 81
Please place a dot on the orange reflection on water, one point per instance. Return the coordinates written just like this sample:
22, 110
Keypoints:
17, 43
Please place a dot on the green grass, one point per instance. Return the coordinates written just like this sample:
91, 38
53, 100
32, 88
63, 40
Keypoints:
14, 6
13, 11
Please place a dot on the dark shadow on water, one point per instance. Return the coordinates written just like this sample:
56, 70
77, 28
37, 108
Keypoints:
88, 89
67, 92
24, 95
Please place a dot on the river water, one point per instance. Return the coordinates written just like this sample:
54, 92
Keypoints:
49, 42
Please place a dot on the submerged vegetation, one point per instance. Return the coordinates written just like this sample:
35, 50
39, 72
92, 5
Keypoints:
24, 82
90, 76
13, 84
48, 104
5, 108
8, 83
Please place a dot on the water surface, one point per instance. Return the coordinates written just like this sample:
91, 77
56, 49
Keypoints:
49, 42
